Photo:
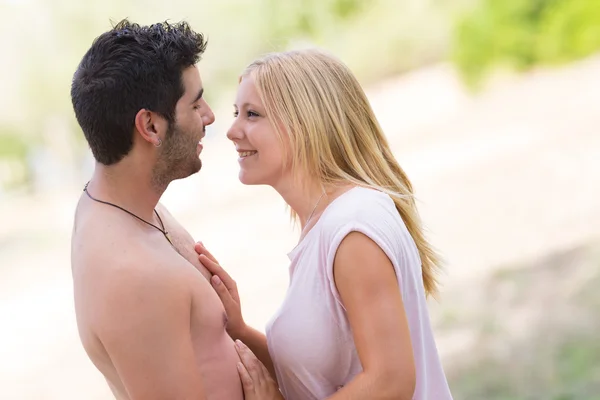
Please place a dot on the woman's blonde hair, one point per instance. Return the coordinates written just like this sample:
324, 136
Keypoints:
334, 134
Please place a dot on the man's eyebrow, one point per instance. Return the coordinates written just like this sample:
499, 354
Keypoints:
199, 96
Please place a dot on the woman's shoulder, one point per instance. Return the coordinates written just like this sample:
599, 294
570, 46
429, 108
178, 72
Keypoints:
362, 208
372, 213
360, 203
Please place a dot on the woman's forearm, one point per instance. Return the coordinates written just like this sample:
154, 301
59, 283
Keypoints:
257, 342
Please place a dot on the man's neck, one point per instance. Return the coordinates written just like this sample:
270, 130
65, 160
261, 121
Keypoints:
126, 187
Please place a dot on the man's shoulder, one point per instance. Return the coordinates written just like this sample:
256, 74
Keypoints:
111, 255
134, 260
118, 265
136, 281
148, 271
138, 297
97, 227
103, 236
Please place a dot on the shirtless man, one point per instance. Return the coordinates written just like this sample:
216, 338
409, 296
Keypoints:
147, 315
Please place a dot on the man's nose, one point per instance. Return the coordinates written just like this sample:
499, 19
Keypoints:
209, 117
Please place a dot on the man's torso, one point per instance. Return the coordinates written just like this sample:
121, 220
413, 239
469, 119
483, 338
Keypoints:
214, 350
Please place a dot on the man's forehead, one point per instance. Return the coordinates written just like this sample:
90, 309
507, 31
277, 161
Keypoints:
192, 81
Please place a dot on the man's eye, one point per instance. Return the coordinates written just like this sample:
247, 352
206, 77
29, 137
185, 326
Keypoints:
235, 114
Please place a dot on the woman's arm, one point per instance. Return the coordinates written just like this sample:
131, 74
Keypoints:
368, 287
226, 288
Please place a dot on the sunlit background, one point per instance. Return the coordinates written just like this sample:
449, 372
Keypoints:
492, 107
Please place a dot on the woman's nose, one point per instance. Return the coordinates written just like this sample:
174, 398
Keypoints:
234, 132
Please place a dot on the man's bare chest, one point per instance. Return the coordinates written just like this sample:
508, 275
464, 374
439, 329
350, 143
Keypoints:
183, 243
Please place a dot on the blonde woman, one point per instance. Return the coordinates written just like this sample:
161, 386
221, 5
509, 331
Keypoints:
354, 323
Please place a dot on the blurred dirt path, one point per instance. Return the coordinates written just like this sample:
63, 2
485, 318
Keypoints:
505, 176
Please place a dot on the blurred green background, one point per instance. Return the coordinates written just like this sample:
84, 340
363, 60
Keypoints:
377, 38
470, 80
43, 41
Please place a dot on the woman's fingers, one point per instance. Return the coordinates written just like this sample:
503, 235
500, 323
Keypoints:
259, 385
226, 289
247, 382
216, 269
200, 249
229, 303
213, 266
251, 362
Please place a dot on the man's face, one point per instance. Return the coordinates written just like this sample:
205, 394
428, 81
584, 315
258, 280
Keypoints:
179, 156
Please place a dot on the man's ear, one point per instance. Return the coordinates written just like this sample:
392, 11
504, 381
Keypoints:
151, 126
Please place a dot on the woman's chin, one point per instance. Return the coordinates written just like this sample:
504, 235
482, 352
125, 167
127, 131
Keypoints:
253, 180
247, 179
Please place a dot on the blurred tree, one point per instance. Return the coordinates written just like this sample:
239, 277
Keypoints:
14, 169
376, 38
569, 30
522, 33
310, 19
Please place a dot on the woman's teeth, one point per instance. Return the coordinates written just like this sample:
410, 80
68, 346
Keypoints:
247, 153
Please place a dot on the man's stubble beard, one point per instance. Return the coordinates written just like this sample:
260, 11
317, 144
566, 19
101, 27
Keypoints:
176, 160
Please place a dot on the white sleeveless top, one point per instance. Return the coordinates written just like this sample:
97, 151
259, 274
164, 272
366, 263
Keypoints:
309, 338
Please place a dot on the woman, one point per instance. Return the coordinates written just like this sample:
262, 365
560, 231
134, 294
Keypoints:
354, 323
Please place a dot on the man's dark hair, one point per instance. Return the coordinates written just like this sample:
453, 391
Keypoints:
129, 68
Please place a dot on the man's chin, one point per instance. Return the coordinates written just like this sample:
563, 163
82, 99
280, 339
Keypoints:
193, 169
183, 170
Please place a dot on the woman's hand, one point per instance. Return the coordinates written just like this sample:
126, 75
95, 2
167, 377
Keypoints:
226, 288
256, 380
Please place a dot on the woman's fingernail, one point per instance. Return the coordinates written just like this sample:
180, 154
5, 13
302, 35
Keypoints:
215, 280
239, 344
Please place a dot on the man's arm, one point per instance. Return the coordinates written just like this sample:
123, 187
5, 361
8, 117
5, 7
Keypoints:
144, 326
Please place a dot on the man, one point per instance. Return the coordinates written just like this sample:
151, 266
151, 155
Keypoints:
147, 315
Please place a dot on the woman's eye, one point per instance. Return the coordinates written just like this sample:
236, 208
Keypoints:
252, 114
235, 114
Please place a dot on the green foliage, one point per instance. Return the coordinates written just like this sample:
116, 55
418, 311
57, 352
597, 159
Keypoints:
520, 34
376, 38
13, 153
570, 30
312, 20
12, 144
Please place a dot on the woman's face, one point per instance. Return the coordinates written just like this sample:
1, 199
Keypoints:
261, 154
